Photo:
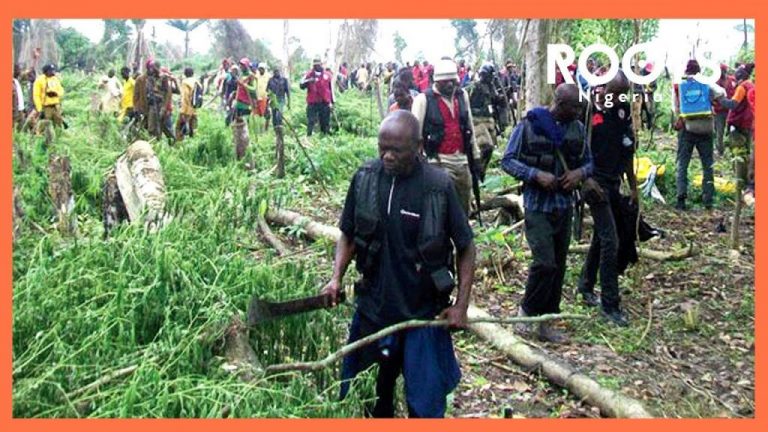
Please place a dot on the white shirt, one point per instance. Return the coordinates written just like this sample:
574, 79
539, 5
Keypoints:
19, 95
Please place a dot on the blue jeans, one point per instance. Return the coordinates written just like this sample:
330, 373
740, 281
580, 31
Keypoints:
686, 142
425, 358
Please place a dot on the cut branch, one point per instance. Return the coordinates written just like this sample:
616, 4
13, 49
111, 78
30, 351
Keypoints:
412, 324
103, 380
270, 237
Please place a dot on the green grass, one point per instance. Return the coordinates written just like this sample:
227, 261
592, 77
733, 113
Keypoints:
85, 307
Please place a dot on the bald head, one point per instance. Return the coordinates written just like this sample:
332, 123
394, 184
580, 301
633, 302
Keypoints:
399, 142
402, 124
618, 85
566, 93
567, 106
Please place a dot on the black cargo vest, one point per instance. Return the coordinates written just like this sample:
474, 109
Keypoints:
434, 126
539, 152
433, 243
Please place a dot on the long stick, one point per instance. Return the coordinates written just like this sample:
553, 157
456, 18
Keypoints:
412, 324
306, 154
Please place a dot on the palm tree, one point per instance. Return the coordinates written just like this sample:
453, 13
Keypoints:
186, 26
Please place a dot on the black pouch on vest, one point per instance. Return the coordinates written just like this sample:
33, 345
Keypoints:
443, 280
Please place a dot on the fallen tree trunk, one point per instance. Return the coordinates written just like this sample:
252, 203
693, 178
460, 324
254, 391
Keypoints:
675, 255
315, 230
611, 403
141, 185
60, 189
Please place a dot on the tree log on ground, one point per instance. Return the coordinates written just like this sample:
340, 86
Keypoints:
611, 403
60, 189
141, 185
314, 230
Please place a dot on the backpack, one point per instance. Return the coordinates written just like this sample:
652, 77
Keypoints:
694, 99
197, 96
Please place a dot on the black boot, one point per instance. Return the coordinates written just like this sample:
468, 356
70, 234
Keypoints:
615, 316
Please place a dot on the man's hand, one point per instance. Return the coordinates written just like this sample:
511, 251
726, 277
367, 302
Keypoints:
456, 316
570, 180
546, 180
332, 289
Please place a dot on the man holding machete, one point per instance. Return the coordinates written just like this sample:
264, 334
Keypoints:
401, 221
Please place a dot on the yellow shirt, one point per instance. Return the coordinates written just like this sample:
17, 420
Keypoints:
187, 93
42, 86
261, 84
127, 101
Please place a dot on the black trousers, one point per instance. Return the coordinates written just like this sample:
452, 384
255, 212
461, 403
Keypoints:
603, 253
549, 235
321, 112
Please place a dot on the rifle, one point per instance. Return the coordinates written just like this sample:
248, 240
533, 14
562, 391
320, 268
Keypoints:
578, 220
475, 178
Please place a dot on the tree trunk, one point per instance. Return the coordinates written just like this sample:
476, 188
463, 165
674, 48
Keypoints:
379, 103
186, 45
287, 50
141, 185
611, 403
240, 136
241, 358
537, 91
60, 189
280, 151
745, 34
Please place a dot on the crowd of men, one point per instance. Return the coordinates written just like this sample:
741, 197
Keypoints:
405, 218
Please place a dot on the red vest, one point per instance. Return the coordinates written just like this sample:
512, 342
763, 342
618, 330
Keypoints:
452, 140
743, 116
320, 90
728, 83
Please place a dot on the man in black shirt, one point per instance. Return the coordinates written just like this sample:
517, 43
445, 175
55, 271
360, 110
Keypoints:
279, 87
612, 145
401, 222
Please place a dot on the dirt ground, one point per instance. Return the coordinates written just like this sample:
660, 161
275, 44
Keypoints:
679, 367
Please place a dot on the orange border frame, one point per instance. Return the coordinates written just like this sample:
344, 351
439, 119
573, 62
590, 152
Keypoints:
387, 9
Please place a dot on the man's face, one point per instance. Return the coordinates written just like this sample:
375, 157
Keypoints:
397, 151
261, 71
568, 109
16, 71
446, 87
50, 72
318, 67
